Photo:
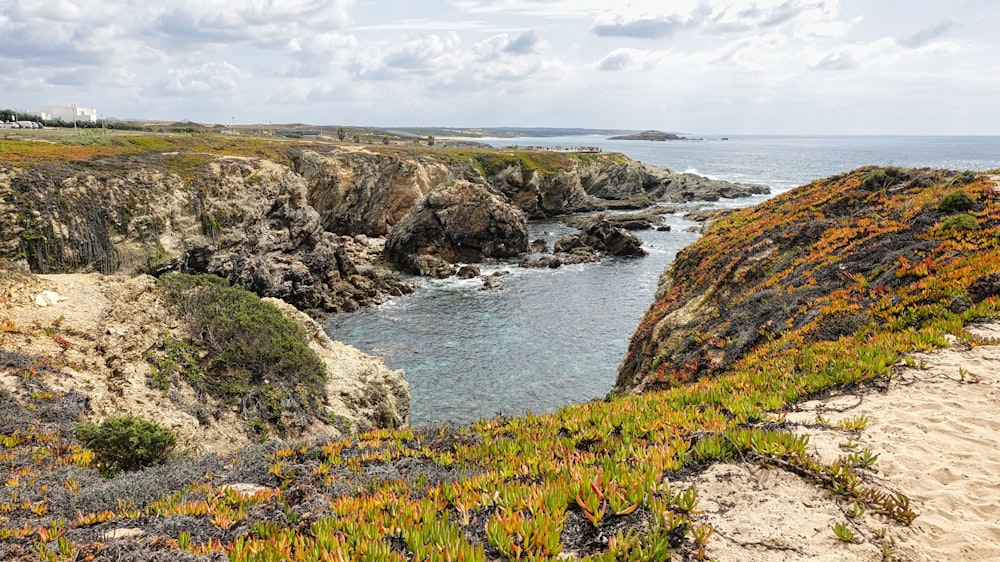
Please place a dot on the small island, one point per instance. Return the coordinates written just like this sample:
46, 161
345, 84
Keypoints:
652, 135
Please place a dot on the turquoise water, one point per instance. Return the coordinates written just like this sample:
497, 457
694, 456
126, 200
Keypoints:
547, 338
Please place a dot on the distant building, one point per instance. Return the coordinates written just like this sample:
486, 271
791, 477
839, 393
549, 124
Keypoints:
69, 113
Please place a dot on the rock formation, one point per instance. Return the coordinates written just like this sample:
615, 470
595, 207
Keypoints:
598, 234
814, 265
308, 232
243, 219
631, 180
118, 342
462, 222
362, 192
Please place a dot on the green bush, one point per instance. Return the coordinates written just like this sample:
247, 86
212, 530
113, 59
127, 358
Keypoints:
126, 443
258, 359
957, 201
961, 221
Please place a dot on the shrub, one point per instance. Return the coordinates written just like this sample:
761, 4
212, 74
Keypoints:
884, 178
258, 358
126, 443
961, 221
957, 201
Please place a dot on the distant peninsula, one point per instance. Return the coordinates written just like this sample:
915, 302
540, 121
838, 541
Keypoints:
652, 136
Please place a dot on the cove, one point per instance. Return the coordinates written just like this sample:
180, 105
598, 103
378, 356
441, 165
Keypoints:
542, 339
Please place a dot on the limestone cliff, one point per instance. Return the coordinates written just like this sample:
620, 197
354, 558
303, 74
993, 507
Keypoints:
247, 220
823, 261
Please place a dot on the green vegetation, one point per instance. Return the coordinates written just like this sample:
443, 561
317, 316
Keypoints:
127, 443
958, 201
176, 359
257, 357
843, 531
961, 221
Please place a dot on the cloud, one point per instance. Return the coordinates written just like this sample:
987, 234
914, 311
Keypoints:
207, 78
260, 22
524, 43
538, 8
444, 63
728, 19
841, 60
642, 27
629, 60
925, 36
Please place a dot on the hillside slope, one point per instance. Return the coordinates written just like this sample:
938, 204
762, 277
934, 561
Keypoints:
848, 255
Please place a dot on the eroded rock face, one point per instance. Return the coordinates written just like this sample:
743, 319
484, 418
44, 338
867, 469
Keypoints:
278, 246
361, 192
246, 220
636, 180
359, 387
462, 222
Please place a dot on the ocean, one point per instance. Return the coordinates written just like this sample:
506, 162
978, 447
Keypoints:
547, 338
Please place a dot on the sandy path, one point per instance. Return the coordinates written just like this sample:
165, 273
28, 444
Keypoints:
937, 434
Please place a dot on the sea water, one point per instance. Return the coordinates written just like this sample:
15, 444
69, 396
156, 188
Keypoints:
549, 337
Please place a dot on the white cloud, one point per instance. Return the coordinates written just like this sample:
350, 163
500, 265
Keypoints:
627, 59
926, 35
215, 79
443, 61
639, 27
380, 60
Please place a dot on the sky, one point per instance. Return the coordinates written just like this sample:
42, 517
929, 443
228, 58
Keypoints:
696, 66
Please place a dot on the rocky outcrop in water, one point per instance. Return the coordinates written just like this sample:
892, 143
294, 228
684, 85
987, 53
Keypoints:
631, 180
462, 222
362, 191
599, 235
652, 135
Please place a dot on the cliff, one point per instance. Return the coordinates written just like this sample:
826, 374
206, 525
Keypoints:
836, 258
305, 224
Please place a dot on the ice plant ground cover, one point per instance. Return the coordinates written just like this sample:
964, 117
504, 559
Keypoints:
841, 278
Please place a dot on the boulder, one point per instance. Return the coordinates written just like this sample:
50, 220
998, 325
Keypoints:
461, 222
600, 235
468, 272
629, 221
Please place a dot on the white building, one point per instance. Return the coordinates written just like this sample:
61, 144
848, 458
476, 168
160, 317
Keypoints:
69, 113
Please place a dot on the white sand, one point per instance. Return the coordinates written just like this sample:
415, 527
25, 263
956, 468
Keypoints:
938, 441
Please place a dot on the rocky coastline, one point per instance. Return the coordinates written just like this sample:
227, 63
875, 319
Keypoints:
313, 231
781, 349
317, 229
